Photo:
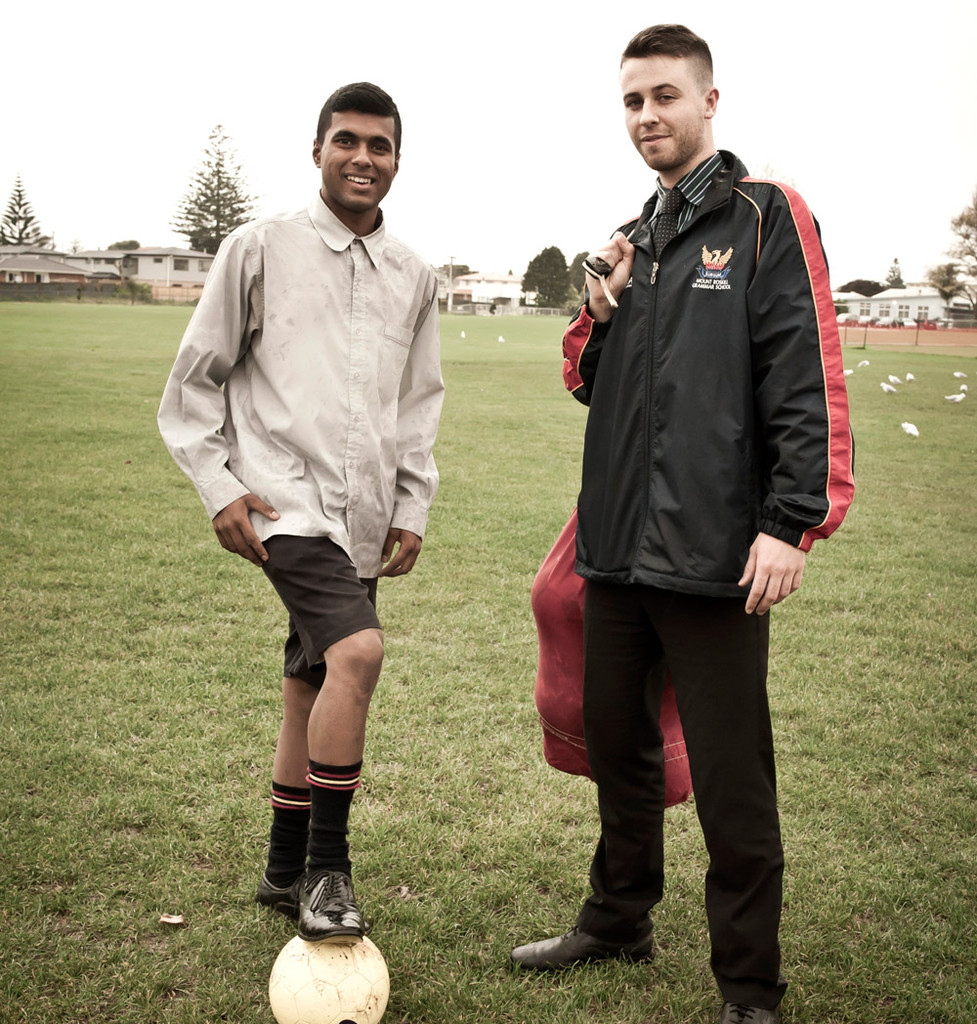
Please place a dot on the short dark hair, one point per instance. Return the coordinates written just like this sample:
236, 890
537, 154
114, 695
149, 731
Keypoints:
364, 98
672, 41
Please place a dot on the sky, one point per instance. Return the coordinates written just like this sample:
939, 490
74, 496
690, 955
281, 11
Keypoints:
514, 135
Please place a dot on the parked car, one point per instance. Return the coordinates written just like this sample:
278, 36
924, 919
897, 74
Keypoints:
847, 318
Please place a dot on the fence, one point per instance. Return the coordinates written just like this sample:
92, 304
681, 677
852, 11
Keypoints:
93, 291
54, 290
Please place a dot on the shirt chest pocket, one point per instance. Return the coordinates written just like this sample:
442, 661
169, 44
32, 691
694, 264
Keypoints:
393, 357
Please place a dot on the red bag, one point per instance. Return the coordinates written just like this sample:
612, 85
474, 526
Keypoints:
557, 600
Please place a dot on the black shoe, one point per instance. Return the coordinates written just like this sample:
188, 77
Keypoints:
740, 1013
327, 908
285, 899
577, 947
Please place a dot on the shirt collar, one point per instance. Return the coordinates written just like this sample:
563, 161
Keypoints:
694, 185
339, 237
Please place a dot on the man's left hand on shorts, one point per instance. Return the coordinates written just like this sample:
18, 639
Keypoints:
408, 548
234, 529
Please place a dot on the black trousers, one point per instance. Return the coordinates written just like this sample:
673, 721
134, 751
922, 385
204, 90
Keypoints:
717, 657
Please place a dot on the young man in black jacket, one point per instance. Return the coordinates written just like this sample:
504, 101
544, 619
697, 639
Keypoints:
717, 450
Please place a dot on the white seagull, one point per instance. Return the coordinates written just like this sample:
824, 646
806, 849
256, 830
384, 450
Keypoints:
963, 387
887, 388
848, 373
956, 398
909, 377
910, 429
958, 373
864, 362
893, 379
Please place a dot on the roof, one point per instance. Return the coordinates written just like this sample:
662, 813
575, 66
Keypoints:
41, 265
146, 251
24, 250
102, 254
912, 291
480, 277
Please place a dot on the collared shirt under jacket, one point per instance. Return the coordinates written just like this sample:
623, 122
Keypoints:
310, 376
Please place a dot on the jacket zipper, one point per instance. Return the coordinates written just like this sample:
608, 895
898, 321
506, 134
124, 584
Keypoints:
653, 302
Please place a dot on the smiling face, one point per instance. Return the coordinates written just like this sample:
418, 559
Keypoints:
358, 163
669, 104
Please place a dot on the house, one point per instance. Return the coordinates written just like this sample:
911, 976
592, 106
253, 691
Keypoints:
916, 302
173, 274
31, 268
486, 289
104, 263
161, 268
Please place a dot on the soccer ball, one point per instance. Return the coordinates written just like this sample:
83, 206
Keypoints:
329, 983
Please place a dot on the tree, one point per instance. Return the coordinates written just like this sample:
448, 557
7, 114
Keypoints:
126, 244
862, 286
577, 276
945, 279
549, 277
894, 277
19, 225
964, 249
134, 291
217, 201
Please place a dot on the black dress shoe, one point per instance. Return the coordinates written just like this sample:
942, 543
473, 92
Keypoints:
327, 908
740, 1013
284, 899
577, 947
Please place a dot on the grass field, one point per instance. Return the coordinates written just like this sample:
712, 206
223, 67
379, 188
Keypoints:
139, 704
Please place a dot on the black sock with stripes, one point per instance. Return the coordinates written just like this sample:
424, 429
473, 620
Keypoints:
289, 834
332, 788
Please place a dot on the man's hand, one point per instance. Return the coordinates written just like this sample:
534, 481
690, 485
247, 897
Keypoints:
619, 253
234, 529
775, 568
408, 548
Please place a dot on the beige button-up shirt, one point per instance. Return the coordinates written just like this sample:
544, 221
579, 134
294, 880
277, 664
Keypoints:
310, 375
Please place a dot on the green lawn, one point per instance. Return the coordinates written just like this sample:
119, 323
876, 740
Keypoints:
139, 704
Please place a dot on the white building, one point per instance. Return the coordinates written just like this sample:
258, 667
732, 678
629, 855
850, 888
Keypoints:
486, 289
917, 302
167, 268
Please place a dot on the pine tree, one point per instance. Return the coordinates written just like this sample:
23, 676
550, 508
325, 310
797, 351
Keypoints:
894, 277
19, 225
217, 201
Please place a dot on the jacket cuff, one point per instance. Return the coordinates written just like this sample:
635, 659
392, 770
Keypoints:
787, 534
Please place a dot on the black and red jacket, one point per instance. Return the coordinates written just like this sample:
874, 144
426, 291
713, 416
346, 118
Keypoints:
717, 396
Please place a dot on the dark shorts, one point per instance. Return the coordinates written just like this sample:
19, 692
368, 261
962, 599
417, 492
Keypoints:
325, 599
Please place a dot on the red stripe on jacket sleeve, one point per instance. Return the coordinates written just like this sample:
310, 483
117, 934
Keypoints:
574, 342
840, 483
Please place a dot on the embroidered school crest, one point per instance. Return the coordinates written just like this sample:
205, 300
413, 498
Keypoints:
714, 269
